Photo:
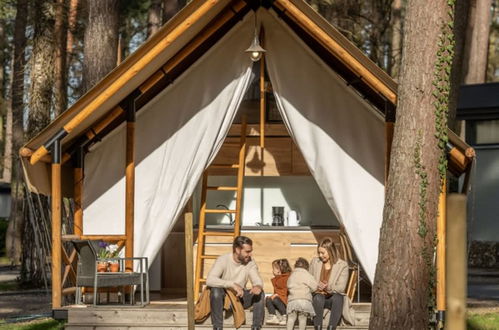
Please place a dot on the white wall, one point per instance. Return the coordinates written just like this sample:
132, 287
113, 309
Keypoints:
299, 193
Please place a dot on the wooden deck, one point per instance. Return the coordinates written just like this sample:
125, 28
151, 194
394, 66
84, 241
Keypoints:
166, 315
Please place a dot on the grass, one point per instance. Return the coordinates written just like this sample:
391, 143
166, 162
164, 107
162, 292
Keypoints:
43, 324
487, 321
9, 285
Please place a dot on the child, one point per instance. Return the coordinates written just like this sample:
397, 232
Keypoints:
279, 299
301, 284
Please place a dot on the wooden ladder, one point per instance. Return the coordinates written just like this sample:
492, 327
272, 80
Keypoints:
202, 232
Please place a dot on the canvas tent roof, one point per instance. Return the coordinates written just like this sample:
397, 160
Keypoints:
207, 39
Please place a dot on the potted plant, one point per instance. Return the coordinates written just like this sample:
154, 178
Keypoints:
112, 252
102, 254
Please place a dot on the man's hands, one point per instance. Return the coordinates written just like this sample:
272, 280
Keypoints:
256, 290
237, 288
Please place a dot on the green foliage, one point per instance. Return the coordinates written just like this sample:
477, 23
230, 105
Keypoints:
46, 324
489, 321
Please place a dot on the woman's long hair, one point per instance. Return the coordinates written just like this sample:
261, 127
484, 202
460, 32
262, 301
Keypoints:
328, 244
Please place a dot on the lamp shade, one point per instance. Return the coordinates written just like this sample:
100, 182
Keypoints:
255, 50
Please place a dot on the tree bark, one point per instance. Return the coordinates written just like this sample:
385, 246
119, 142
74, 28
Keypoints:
42, 67
14, 230
153, 17
101, 41
171, 7
61, 33
396, 44
72, 19
401, 290
477, 40
462, 9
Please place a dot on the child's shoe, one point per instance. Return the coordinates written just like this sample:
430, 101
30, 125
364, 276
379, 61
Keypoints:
273, 319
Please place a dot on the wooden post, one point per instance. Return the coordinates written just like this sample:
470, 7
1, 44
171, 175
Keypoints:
189, 268
456, 262
78, 192
441, 246
130, 183
56, 225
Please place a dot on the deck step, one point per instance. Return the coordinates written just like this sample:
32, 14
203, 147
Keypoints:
166, 317
182, 327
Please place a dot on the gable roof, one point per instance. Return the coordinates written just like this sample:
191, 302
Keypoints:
178, 44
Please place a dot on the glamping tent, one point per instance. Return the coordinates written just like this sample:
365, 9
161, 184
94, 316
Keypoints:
148, 130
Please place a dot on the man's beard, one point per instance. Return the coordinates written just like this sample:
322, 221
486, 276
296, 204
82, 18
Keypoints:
242, 260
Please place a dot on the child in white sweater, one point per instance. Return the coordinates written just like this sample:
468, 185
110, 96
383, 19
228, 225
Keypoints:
301, 284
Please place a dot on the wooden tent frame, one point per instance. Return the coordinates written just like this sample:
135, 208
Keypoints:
332, 47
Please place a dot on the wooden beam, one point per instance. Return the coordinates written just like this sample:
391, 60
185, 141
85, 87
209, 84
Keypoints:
108, 119
317, 32
106, 238
130, 184
27, 152
441, 245
56, 211
189, 268
132, 71
456, 263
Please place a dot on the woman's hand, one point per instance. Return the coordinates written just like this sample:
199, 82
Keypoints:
322, 286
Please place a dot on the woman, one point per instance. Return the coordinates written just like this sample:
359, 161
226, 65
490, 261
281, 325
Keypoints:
332, 274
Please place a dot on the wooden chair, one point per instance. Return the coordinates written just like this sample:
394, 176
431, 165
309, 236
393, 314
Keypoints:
353, 266
87, 275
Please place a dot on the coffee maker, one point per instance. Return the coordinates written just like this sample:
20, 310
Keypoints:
277, 215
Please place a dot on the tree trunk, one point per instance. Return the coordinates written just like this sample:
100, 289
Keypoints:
61, 33
396, 44
154, 17
402, 292
14, 231
477, 41
101, 41
72, 19
3, 96
462, 9
171, 7
42, 67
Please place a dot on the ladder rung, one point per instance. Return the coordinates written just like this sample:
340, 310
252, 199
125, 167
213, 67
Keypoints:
202, 280
222, 188
219, 211
209, 257
218, 233
216, 166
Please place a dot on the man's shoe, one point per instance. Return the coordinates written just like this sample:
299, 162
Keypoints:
273, 319
330, 327
283, 320
255, 327
217, 328
317, 327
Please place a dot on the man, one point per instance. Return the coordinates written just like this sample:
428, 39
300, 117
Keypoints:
231, 272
